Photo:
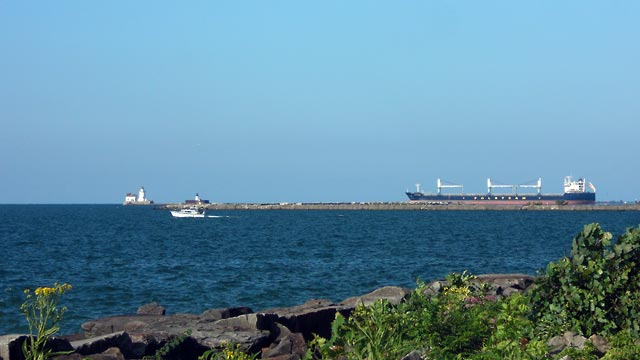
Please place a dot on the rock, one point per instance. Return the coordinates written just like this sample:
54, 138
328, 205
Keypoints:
435, 287
102, 343
508, 291
516, 281
312, 317
218, 314
506, 284
251, 331
148, 333
11, 346
290, 347
414, 355
393, 294
109, 354
148, 343
151, 309
113, 324
500, 285
279, 334
72, 356
600, 343
568, 339
139, 323
556, 344
575, 340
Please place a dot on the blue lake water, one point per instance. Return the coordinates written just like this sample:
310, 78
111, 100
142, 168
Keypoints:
118, 258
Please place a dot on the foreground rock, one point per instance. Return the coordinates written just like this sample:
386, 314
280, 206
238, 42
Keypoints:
572, 340
500, 285
277, 334
11, 346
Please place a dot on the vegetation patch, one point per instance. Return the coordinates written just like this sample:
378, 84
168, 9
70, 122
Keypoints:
594, 291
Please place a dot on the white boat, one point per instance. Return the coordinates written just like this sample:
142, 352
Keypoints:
191, 212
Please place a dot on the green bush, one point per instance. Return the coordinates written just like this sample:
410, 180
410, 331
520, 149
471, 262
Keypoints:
594, 291
461, 318
374, 332
456, 322
513, 332
624, 346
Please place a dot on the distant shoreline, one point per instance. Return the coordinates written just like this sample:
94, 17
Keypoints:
403, 206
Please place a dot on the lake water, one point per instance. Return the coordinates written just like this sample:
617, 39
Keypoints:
118, 258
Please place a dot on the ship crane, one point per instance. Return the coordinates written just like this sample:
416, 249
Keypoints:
538, 185
442, 185
491, 185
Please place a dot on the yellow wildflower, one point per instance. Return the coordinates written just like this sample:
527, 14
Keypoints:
44, 291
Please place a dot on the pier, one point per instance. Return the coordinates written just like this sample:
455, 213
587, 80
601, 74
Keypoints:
407, 206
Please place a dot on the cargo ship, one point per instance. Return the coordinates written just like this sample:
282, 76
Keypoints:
575, 193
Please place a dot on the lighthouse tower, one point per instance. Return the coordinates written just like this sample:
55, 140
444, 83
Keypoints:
141, 196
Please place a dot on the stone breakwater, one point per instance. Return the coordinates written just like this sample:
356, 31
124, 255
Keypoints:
277, 334
407, 206
274, 334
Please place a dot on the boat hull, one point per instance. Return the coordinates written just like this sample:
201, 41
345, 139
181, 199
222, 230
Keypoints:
506, 199
179, 214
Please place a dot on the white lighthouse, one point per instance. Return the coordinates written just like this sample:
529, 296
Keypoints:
141, 199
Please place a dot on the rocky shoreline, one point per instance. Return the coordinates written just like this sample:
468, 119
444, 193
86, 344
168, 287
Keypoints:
277, 334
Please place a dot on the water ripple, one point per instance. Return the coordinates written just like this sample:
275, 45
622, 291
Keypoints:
118, 258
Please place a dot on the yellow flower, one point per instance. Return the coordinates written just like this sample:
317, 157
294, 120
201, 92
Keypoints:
44, 291
48, 291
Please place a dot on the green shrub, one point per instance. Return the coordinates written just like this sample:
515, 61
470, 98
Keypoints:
594, 291
455, 322
374, 332
624, 346
513, 332
461, 318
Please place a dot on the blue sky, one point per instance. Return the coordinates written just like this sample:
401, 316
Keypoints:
287, 101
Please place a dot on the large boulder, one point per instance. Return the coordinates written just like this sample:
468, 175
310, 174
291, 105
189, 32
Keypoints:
109, 354
506, 284
312, 317
569, 339
289, 347
393, 294
100, 344
151, 309
11, 346
140, 335
251, 331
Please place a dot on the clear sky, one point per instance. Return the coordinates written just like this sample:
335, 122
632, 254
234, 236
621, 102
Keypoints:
300, 101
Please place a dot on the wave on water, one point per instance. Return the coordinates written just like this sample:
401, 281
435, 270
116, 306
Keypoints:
118, 258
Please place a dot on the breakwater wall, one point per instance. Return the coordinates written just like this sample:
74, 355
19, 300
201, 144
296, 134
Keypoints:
408, 206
